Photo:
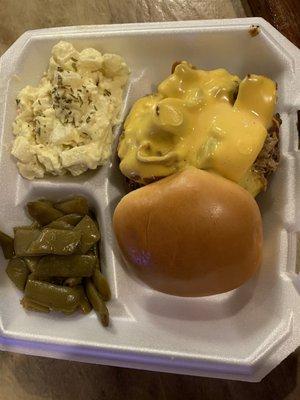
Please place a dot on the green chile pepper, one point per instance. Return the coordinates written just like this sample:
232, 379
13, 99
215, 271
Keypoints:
32, 306
97, 302
101, 285
43, 211
76, 205
7, 244
18, 272
57, 298
72, 266
89, 233
55, 241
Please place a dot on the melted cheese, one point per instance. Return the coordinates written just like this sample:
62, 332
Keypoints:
193, 120
257, 95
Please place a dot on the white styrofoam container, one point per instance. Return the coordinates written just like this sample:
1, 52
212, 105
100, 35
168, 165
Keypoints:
242, 334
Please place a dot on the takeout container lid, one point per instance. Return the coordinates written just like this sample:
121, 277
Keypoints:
240, 335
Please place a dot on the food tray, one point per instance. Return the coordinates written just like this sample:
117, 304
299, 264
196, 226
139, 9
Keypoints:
242, 334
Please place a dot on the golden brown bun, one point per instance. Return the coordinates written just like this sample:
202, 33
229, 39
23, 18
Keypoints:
190, 234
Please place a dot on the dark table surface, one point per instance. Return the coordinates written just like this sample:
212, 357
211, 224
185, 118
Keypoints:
34, 378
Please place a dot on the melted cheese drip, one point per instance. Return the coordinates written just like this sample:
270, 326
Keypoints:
192, 120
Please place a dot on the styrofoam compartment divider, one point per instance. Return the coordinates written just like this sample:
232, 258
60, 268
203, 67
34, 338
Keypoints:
242, 334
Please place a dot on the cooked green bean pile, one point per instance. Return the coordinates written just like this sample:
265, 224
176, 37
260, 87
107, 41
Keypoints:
55, 260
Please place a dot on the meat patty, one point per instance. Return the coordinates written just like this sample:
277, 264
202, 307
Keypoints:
268, 159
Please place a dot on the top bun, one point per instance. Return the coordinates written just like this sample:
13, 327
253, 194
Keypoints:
190, 234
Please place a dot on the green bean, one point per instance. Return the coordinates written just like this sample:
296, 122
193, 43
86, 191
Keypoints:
101, 285
93, 250
72, 266
24, 236
17, 272
43, 212
56, 280
71, 219
57, 298
76, 205
97, 302
34, 225
31, 262
97, 246
99, 253
46, 201
7, 244
72, 282
55, 260
43, 278
46, 278
32, 306
89, 233
85, 305
55, 241
57, 224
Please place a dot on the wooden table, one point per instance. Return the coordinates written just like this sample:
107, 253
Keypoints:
35, 378
283, 14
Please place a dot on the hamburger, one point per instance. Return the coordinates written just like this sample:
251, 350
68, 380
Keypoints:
198, 151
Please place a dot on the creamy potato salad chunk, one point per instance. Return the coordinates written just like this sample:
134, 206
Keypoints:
65, 123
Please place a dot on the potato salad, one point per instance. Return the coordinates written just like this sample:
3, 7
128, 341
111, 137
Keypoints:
65, 123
